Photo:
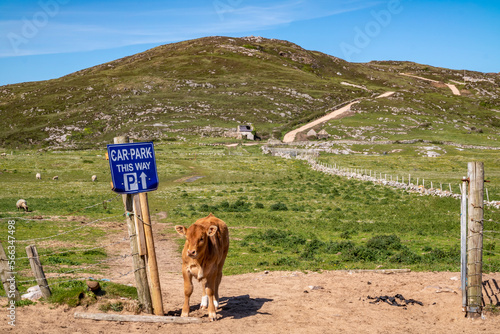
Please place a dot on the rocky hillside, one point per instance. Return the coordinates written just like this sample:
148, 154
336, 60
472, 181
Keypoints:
207, 86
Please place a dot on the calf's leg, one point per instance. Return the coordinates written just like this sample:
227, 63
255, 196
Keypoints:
204, 297
210, 289
188, 291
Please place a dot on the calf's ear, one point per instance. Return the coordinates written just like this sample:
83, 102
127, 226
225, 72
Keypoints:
212, 230
180, 229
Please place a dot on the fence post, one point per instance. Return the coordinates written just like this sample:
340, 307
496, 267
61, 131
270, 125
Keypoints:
139, 227
475, 239
8, 281
153, 267
37, 269
463, 243
139, 262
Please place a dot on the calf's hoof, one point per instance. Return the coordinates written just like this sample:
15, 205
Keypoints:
204, 303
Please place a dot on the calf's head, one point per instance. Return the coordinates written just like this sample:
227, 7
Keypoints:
196, 238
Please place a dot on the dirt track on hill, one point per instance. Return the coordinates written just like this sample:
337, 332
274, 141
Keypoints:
290, 136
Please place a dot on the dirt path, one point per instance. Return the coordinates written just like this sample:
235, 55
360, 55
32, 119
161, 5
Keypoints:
453, 88
278, 302
290, 136
289, 302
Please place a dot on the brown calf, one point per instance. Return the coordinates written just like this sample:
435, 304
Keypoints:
203, 256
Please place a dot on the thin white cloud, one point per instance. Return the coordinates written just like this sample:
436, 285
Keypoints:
68, 32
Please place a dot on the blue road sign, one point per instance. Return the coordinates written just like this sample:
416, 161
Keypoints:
133, 167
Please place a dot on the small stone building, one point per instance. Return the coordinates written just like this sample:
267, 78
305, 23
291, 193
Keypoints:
245, 132
311, 133
323, 134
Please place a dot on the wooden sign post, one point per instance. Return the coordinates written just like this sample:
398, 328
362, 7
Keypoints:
139, 262
133, 169
153, 267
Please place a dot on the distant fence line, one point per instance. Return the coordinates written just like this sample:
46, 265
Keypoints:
310, 155
332, 142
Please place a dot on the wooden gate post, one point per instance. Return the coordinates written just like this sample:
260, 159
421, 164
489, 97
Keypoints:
475, 239
37, 269
139, 262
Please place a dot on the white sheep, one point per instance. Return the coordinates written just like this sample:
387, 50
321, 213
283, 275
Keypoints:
21, 204
38, 176
94, 178
55, 178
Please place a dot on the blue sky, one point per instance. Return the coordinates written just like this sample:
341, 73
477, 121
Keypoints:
45, 39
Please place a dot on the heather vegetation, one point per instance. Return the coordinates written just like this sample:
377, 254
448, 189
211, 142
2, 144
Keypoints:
206, 87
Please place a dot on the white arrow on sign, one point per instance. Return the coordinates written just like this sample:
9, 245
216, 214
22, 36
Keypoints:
143, 180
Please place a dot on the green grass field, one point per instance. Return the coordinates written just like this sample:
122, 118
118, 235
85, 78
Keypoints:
282, 215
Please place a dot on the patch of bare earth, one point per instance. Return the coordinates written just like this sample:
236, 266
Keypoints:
279, 302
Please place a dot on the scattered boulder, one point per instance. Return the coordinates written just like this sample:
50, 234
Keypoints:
33, 293
93, 286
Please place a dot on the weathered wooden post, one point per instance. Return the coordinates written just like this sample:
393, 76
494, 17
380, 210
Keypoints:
475, 239
37, 269
139, 226
6, 275
153, 267
139, 262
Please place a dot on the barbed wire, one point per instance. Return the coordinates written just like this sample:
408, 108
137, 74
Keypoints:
87, 278
487, 236
94, 205
69, 231
23, 218
122, 257
139, 217
73, 212
91, 278
491, 221
79, 249
490, 252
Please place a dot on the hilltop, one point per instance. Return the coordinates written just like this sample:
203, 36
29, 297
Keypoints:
206, 87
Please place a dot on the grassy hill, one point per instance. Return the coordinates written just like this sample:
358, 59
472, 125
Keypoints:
206, 87
283, 214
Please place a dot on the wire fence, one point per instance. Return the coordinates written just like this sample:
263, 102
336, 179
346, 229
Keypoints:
74, 272
401, 181
491, 235
490, 231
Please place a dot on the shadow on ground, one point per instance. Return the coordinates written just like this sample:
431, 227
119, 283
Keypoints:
237, 307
